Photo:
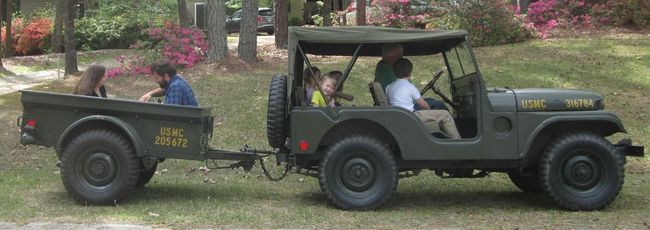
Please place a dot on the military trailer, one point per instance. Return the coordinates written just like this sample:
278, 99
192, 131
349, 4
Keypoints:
108, 147
546, 140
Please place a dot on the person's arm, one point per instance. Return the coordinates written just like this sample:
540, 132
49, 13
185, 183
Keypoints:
417, 97
158, 92
422, 103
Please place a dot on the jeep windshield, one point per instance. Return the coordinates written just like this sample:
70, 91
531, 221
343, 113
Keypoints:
459, 61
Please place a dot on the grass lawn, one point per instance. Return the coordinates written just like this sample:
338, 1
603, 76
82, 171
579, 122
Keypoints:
178, 196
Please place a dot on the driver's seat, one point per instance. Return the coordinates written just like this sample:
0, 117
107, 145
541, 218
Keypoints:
378, 94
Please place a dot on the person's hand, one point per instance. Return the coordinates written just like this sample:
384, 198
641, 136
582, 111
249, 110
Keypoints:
145, 98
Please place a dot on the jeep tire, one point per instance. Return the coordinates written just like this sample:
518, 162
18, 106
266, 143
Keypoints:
582, 171
145, 174
99, 167
276, 119
526, 181
358, 173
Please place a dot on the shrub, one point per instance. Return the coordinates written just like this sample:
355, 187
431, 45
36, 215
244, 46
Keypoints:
95, 33
397, 13
16, 27
170, 43
632, 13
34, 38
489, 22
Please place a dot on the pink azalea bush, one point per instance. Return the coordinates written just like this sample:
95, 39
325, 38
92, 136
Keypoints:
171, 43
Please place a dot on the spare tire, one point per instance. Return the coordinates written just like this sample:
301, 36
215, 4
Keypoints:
276, 119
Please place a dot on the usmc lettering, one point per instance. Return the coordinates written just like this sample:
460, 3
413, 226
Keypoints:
579, 103
173, 137
533, 104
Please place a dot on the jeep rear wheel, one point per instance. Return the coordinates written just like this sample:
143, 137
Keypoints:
358, 173
99, 167
526, 181
276, 120
146, 174
582, 171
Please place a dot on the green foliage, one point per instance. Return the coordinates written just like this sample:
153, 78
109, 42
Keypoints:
119, 23
95, 33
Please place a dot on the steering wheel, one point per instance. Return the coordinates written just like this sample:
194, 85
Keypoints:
432, 86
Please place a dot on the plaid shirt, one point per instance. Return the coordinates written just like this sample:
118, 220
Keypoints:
179, 93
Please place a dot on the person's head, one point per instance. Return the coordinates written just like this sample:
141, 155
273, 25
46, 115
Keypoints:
163, 74
93, 78
336, 74
327, 84
403, 68
309, 78
390, 52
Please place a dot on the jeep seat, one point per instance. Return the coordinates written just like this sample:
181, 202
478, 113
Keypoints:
378, 94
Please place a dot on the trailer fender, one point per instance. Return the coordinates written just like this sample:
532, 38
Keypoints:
100, 122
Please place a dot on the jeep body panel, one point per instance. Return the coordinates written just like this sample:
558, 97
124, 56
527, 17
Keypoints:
172, 131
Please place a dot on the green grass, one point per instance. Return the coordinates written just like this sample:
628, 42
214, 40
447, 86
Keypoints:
28, 64
618, 68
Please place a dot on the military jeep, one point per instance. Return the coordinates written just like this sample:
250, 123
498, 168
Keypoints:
546, 140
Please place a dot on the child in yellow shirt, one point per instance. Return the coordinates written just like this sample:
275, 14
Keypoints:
327, 84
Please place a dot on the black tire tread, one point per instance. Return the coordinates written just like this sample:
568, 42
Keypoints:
276, 121
385, 153
131, 166
528, 184
546, 161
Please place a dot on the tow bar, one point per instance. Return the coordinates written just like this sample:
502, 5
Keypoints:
246, 159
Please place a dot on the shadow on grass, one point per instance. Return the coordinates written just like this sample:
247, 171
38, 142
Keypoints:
455, 200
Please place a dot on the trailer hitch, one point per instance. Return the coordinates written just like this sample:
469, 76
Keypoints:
280, 157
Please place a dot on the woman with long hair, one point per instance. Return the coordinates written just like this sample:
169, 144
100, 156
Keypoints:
92, 82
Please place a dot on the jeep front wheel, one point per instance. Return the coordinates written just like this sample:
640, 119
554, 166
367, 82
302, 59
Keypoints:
99, 167
582, 171
358, 173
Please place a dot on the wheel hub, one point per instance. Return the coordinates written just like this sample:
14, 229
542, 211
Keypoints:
99, 169
358, 174
581, 172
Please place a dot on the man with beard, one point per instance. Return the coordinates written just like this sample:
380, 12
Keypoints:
172, 86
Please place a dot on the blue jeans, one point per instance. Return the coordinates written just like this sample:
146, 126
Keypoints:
433, 103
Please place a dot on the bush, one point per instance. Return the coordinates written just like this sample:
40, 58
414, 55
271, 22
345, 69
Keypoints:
489, 22
34, 38
16, 28
170, 43
118, 23
397, 13
631, 13
95, 33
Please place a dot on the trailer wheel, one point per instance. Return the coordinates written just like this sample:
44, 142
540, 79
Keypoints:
582, 171
99, 167
276, 121
526, 182
358, 173
145, 174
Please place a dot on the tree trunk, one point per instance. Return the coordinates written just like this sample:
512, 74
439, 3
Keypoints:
281, 23
361, 12
70, 50
217, 35
9, 49
183, 16
1, 66
247, 49
57, 34
326, 13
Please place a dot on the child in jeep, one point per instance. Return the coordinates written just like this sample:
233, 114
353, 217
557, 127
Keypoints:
327, 84
403, 93
310, 76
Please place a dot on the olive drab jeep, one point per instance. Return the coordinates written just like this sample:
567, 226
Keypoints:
546, 140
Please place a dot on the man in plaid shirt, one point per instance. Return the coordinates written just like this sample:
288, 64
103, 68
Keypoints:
173, 87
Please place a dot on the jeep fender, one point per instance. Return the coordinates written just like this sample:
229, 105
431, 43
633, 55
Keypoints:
603, 124
100, 121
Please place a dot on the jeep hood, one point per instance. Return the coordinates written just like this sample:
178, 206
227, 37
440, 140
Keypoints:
557, 100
